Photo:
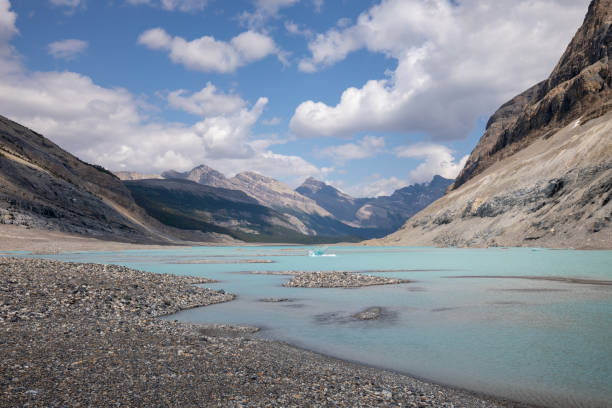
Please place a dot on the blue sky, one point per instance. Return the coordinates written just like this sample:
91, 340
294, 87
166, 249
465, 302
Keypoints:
367, 95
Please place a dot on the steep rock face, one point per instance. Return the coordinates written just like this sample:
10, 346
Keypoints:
275, 194
340, 205
579, 88
304, 213
43, 186
384, 213
542, 173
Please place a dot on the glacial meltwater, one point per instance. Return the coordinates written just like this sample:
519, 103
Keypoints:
480, 319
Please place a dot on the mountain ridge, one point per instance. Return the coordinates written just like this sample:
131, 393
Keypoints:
43, 186
541, 175
387, 213
578, 88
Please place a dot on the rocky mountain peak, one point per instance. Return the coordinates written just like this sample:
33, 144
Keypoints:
314, 186
578, 89
201, 174
592, 43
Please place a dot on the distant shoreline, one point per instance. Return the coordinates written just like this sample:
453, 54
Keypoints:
47, 242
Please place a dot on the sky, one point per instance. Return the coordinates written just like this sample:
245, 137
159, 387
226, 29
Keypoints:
369, 96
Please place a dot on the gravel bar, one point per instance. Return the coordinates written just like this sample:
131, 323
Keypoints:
338, 280
87, 335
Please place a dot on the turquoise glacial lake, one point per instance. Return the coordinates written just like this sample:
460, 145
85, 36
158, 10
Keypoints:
470, 318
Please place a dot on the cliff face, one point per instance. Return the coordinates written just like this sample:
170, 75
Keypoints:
579, 88
541, 175
341, 205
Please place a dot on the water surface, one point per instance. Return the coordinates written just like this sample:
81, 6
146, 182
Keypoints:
539, 341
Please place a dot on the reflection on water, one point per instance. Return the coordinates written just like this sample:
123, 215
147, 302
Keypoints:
544, 340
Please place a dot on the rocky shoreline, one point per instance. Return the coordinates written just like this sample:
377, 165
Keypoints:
85, 334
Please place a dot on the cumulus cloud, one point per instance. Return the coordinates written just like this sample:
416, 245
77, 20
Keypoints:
295, 29
108, 126
7, 22
368, 146
67, 49
207, 102
455, 62
9, 60
264, 10
171, 5
207, 54
439, 160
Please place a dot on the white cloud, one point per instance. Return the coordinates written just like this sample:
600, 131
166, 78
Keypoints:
207, 102
272, 7
106, 126
264, 10
368, 146
171, 5
295, 29
225, 136
67, 49
207, 54
9, 60
67, 3
439, 160
455, 62
375, 186
7, 21
271, 122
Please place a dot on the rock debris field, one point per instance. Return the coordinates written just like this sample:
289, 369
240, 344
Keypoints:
89, 335
338, 280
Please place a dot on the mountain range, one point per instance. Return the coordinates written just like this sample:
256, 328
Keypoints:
314, 209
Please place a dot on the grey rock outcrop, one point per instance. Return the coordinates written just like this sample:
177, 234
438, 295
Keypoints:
542, 172
579, 88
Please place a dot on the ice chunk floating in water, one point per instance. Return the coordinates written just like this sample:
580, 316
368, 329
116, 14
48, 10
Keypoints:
319, 252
